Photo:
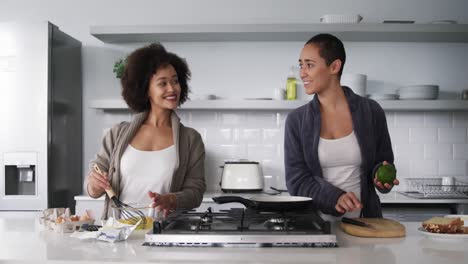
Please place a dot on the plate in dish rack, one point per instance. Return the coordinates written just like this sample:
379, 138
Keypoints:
442, 236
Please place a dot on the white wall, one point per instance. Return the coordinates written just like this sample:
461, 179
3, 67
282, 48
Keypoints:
246, 69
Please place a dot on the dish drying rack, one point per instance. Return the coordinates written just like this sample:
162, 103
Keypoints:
433, 188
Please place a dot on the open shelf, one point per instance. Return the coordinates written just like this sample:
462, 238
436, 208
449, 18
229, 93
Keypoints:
389, 105
282, 32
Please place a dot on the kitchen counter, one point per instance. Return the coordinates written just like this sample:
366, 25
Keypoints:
23, 239
392, 197
393, 204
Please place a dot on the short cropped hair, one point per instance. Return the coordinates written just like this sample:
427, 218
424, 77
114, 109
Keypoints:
330, 49
140, 67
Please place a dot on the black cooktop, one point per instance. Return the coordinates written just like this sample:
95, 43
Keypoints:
246, 221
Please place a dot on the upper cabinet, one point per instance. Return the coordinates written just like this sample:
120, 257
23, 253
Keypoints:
283, 32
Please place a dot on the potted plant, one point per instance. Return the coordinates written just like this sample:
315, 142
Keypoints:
119, 67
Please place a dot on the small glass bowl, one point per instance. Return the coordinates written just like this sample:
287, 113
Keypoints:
125, 218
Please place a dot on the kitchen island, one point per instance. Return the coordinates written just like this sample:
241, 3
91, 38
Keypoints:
24, 240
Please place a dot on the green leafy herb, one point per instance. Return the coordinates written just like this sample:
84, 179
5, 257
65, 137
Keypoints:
119, 67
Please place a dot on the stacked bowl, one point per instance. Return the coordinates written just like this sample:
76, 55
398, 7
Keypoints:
419, 92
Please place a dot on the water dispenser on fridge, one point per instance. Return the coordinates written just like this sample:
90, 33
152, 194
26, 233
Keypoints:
20, 171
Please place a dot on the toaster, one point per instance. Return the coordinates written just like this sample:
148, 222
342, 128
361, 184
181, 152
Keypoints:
241, 176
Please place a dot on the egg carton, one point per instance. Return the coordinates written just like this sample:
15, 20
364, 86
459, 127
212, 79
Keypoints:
66, 223
66, 226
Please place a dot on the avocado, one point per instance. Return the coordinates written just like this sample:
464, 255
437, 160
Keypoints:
386, 174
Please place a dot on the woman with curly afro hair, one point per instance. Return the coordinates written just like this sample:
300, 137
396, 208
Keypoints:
154, 159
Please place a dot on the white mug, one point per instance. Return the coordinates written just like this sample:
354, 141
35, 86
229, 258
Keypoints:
279, 94
357, 83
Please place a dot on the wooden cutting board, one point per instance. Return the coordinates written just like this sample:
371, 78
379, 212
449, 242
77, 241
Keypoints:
383, 228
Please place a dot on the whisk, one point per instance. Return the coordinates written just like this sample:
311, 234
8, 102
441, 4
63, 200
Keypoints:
128, 212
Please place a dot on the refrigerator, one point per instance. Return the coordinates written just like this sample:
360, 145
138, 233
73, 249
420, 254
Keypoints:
40, 117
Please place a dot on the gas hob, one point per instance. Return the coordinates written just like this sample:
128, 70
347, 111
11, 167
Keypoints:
242, 228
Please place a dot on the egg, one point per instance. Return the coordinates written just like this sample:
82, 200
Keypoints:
85, 217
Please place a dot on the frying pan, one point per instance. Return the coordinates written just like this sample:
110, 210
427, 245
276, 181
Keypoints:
269, 203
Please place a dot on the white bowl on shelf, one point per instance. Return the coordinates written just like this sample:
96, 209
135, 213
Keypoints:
419, 92
340, 19
378, 96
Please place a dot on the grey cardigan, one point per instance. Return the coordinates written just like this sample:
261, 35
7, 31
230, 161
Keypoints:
303, 171
188, 180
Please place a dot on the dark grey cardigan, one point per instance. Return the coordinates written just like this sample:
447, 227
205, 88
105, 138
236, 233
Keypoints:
303, 171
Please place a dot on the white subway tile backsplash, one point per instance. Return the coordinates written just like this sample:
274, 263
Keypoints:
272, 167
460, 151
460, 119
452, 135
276, 170
426, 144
232, 119
452, 167
250, 135
438, 151
273, 136
403, 167
390, 116
438, 119
263, 119
423, 135
115, 118
409, 151
399, 135
259, 152
213, 174
409, 119
281, 118
226, 151
423, 168
203, 118
219, 135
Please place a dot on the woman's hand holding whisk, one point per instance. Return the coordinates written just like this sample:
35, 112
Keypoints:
97, 183
163, 202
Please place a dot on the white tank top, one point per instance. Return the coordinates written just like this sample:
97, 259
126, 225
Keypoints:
340, 160
143, 171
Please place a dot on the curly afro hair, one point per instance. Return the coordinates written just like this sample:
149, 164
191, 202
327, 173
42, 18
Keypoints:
140, 67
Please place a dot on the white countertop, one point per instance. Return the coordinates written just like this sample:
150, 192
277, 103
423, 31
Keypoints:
22, 239
392, 197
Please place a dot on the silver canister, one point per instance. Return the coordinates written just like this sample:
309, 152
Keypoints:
464, 94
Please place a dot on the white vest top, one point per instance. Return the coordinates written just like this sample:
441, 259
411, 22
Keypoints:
143, 171
340, 160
